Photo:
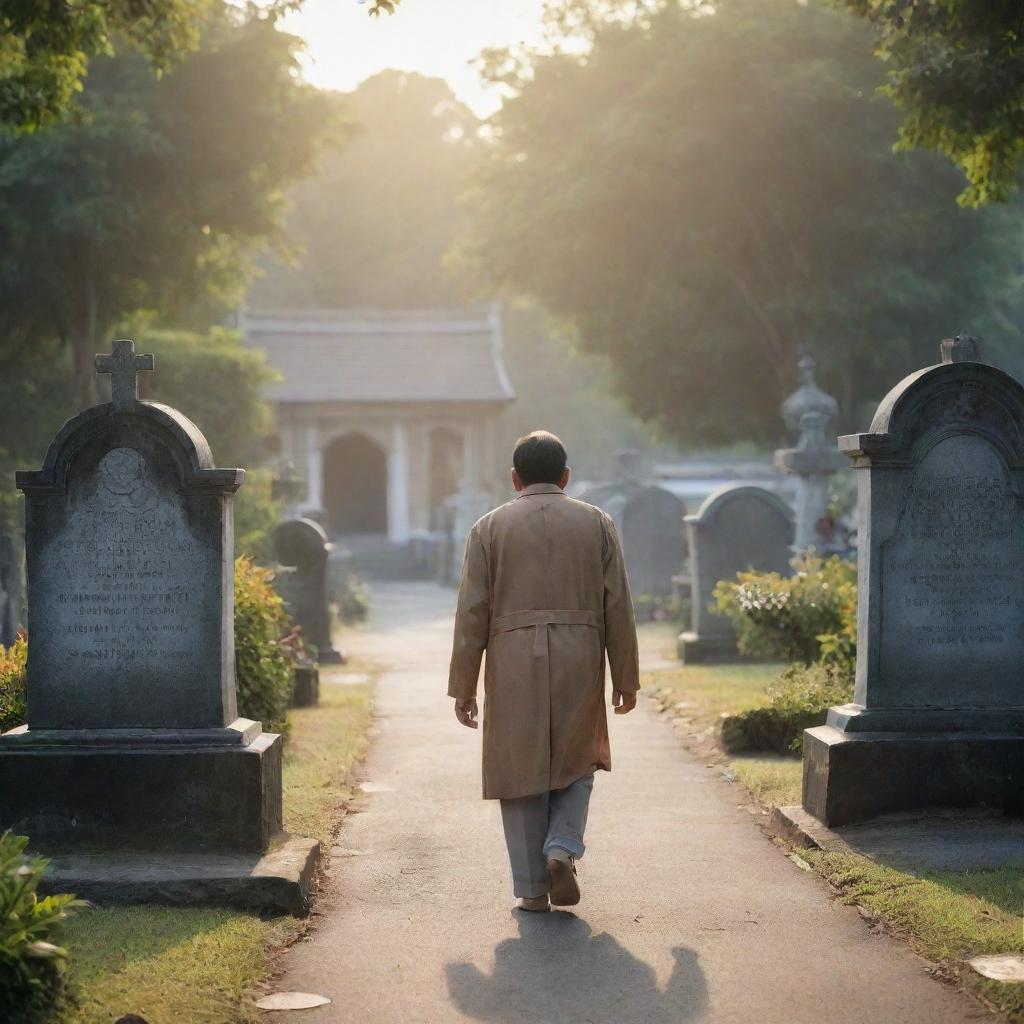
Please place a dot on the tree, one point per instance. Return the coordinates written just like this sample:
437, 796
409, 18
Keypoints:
697, 209
154, 197
46, 46
956, 68
371, 227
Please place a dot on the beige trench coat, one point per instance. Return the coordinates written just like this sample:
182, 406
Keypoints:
544, 592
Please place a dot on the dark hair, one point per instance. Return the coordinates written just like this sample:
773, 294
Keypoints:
539, 458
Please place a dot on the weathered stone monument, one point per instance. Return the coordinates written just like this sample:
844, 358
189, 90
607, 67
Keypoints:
736, 528
809, 413
653, 540
301, 549
133, 738
938, 712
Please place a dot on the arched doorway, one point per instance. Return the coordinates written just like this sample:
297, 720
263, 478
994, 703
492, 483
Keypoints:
355, 485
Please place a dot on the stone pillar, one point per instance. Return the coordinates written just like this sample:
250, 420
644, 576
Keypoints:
398, 485
314, 469
808, 413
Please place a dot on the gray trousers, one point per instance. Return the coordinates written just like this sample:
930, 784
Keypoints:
535, 824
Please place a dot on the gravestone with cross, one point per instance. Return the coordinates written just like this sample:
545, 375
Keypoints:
133, 735
937, 718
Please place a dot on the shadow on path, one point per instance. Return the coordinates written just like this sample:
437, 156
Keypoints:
557, 971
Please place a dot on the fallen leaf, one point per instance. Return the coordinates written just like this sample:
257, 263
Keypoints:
291, 1001
1005, 967
800, 862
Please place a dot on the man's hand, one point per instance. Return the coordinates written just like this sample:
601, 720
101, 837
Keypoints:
466, 712
623, 702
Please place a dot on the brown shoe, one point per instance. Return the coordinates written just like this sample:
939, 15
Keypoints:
534, 904
563, 888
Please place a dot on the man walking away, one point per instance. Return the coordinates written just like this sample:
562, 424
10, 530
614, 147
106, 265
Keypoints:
544, 592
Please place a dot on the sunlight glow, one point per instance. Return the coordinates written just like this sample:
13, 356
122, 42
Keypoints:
434, 37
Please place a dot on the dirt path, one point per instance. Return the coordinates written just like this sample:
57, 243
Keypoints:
688, 913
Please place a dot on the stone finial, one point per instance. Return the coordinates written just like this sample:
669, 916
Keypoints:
961, 349
123, 365
808, 398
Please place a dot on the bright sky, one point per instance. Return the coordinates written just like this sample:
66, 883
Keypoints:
435, 37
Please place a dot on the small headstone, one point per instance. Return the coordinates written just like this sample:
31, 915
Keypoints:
653, 540
938, 712
302, 550
736, 529
133, 737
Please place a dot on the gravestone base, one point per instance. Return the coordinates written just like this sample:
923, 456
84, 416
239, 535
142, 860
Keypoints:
694, 649
855, 776
280, 881
306, 686
143, 793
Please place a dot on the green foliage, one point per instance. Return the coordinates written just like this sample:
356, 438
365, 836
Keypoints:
256, 515
263, 665
31, 960
697, 207
806, 617
13, 660
154, 196
956, 69
799, 700
45, 48
217, 382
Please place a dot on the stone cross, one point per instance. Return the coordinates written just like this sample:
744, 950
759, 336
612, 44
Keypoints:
123, 364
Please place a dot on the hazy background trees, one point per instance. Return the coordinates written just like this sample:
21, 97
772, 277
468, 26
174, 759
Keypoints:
699, 195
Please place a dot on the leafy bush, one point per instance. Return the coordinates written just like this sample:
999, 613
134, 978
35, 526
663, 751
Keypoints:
803, 618
799, 700
263, 663
31, 961
256, 515
12, 684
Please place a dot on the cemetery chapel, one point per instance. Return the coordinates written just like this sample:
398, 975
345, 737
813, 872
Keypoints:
386, 415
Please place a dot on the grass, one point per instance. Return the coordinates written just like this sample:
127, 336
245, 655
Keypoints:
710, 691
948, 917
169, 965
324, 745
196, 966
772, 780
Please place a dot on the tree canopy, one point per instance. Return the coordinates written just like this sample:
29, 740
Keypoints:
153, 196
698, 209
46, 45
956, 69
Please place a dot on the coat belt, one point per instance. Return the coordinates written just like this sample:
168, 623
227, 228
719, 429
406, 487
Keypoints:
541, 617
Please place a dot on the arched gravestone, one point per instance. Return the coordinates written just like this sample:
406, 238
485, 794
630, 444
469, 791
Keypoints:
133, 738
737, 528
301, 550
653, 540
938, 711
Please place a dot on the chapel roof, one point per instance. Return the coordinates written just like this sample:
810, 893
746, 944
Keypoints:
382, 356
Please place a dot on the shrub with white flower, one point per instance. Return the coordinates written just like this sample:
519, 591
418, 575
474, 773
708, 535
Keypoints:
806, 617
